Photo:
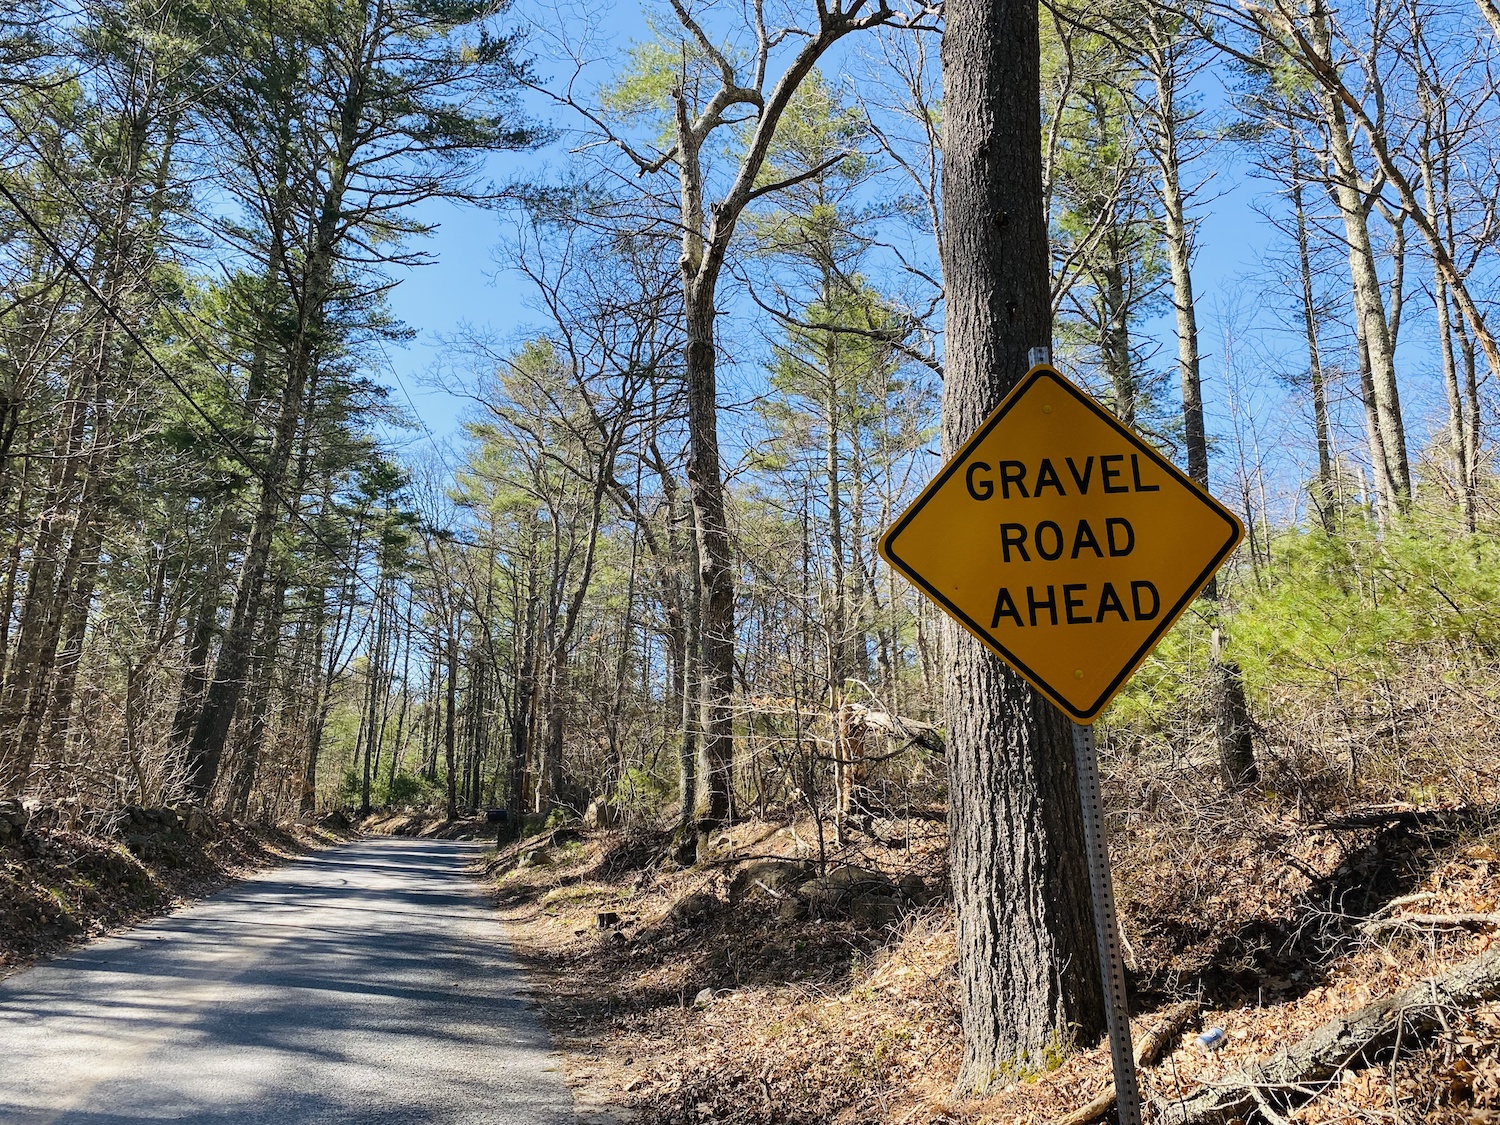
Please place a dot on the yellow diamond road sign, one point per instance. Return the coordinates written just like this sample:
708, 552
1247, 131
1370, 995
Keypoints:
1063, 541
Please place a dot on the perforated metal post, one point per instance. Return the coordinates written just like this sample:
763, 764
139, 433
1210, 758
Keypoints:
1102, 888
1106, 929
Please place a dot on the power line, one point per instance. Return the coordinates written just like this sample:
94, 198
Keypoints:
71, 264
87, 209
202, 348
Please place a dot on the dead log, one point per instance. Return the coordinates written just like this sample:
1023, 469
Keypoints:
1361, 1038
1149, 1052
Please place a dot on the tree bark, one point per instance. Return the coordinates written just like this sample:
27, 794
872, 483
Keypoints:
450, 727
1028, 967
714, 803
374, 674
1323, 490
1388, 435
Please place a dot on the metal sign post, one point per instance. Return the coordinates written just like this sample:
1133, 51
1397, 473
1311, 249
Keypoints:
1106, 928
1102, 889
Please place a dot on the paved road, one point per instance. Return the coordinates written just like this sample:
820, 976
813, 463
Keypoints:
366, 984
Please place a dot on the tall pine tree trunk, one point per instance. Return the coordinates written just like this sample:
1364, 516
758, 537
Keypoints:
715, 782
1028, 967
1387, 431
1231, 712
450, 726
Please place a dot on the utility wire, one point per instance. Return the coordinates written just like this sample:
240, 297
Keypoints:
87, 209
202, 348
71, 265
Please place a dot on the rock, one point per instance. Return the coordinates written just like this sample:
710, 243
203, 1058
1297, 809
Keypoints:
13, 820
534, 857
167, 818
193, 818
874, 910
866, 897
768, 881
139, 820
704, 998
336, 821
600, 814
694, 908
913, 890
43, 815
793, 908
847, 880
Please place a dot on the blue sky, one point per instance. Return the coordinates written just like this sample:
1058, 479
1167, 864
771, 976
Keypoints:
466, 285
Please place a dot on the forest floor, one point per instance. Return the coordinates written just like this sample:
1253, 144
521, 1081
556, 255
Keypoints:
61, 887
1276, 930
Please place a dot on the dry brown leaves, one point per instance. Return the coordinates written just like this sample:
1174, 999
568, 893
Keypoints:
819, 1022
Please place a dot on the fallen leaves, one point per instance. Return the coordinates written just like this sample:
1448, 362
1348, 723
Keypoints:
817, 1022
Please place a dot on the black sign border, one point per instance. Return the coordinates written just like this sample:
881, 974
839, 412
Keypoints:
1046, 371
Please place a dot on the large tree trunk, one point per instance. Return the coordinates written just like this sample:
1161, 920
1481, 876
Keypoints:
75, 598
317, 713
205, 624
374, 673
205, 746
1028, 967
253, 726
1323, 490
549, 765
1435, 194
714, 803
523, 706
1114, 324
450, 727
24, 694
687, 651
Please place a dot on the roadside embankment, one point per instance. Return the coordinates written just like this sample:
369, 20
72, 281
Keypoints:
63, 882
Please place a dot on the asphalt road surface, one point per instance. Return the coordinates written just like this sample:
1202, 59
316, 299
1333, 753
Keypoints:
365, 984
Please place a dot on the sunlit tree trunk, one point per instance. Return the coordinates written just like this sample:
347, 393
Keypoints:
1231, 712
1028, 967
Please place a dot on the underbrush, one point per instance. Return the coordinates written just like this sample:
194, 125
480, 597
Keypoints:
1369, 664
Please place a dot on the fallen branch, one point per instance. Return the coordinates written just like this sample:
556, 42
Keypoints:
1422, 819
1405, 900
1406, 1018
1432, 922
1150, 1051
